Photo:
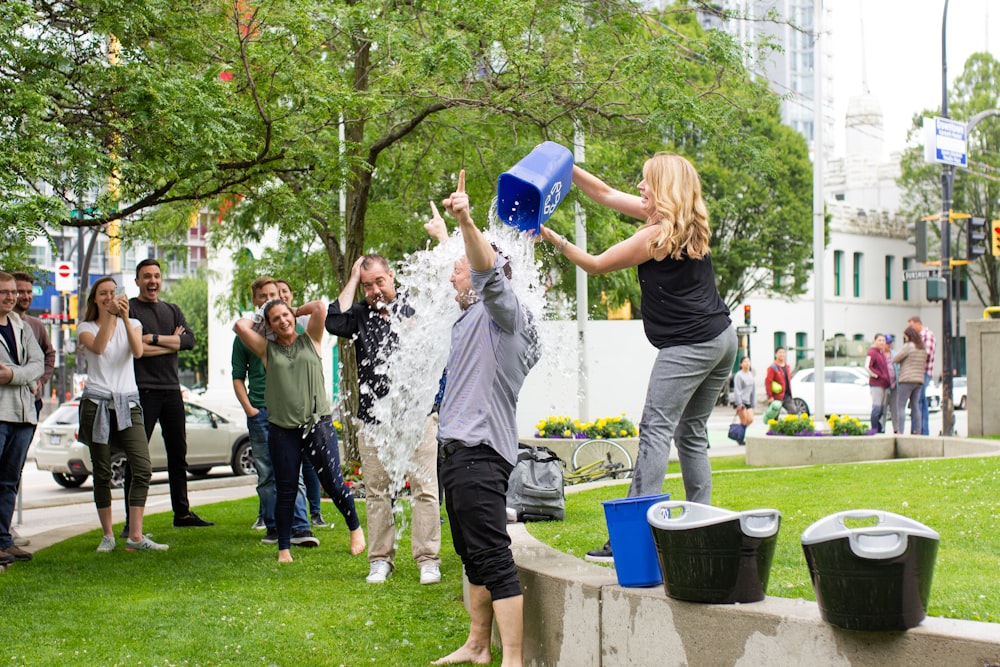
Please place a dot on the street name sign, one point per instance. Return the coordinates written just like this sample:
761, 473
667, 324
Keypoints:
920, 274
945, 141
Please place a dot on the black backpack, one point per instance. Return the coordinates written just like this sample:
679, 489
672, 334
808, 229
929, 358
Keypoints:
535, 489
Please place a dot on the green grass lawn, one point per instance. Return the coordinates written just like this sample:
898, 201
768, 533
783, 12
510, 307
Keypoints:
956, 497
218, 597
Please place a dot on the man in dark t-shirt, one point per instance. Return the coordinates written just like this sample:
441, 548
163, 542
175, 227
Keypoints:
164, 333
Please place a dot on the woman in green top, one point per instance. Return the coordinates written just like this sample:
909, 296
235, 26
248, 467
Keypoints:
299, 415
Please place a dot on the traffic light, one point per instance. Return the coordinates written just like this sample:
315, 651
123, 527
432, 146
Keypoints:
995, 238
746, 314
975, 238
918, 240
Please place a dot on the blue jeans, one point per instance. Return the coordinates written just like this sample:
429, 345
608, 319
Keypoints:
266, 488
921, 423
319, 443
312, 486
878, 407
14, 441
683, 386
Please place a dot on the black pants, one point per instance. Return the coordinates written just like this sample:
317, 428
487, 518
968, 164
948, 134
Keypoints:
167, 407
475, 491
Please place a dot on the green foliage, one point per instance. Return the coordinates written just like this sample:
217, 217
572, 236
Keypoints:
791, 425
844, 425
976, 190
555, 426
191, 295
955, 497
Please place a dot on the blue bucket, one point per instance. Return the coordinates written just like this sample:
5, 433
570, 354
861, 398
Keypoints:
636, 562
530, 191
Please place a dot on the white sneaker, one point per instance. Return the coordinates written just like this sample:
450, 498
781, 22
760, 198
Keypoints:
430, 574
107, 544
380, 571
18, 540
145, 544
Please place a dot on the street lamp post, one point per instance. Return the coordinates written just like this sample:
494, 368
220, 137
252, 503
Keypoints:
947, 178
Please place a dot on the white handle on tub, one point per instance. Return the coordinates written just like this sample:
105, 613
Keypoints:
760, 523
878, 544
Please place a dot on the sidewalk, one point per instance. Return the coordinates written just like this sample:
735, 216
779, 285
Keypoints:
46, 523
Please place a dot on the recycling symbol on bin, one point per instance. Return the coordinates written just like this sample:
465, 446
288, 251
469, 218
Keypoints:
552, 200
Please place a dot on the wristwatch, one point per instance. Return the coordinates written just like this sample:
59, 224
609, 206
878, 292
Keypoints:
156, 339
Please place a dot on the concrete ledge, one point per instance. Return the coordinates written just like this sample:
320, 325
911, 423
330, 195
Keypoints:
781, 451
575, 614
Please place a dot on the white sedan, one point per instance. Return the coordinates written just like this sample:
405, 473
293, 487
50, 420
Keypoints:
845, 392
212, 439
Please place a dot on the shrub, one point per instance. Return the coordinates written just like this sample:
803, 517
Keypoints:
605, 427
844, 425
792, 425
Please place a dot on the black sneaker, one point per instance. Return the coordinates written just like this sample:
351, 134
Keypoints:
190, 520
304, 538
270, 538
602, 555
318, 521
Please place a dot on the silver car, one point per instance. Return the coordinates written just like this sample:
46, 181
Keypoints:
212, 440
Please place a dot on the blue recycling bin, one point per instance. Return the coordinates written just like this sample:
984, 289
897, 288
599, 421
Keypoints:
529, 192
631, 540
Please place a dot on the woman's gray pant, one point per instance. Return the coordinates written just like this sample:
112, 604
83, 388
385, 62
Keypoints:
683, 387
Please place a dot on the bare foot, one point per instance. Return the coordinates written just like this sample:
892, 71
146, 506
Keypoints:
357, 541
284, 555
466, 654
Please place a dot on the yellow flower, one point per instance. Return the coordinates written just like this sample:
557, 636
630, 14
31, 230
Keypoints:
567, 433
541, 432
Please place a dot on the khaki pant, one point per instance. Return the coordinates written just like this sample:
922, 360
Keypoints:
426, 529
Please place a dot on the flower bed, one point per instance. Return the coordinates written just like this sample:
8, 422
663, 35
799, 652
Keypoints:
605, 428
802, 426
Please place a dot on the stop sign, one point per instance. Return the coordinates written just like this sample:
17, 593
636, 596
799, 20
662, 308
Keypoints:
65, 280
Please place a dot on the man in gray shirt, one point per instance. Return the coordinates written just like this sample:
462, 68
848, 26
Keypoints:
494, 344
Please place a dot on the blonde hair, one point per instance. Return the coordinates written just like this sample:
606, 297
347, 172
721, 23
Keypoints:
674, 189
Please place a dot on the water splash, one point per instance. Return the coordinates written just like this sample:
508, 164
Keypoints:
414, 366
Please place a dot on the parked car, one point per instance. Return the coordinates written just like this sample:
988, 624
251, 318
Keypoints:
212, 440
845, 391
959, 392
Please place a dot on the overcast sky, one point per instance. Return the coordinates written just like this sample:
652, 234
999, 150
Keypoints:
902, 48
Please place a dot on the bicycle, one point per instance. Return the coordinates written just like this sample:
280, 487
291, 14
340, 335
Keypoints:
599, 459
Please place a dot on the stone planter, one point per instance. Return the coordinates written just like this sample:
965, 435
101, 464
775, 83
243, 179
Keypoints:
782, 450
564, 447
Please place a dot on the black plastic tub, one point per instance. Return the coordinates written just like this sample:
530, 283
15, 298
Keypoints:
709, 554
873, 577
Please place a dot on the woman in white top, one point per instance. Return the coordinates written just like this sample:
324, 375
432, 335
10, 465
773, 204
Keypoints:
110, 414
